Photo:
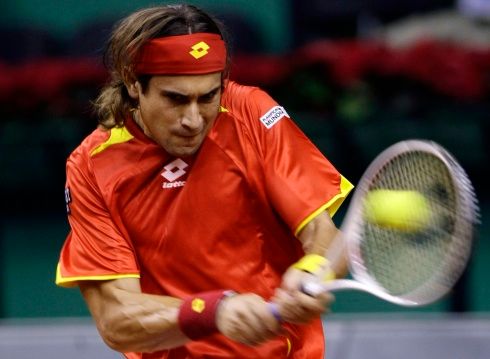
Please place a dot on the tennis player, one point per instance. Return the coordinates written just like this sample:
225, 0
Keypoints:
196, 203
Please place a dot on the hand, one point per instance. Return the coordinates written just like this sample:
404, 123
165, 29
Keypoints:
293, 305
247, 319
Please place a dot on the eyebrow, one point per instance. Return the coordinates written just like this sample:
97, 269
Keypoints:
176, 93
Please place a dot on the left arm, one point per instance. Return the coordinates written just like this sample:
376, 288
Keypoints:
318, 236
294, 305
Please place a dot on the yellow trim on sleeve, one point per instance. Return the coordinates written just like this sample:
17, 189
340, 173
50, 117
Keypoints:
290, 346
118, 135
71, 281
331, 206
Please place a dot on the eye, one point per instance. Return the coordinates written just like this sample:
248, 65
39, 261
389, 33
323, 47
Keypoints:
209, 97
176, 98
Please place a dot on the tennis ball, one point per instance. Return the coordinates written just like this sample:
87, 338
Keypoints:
401, 210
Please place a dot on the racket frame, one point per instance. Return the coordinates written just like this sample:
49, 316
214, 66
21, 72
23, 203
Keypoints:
351, 229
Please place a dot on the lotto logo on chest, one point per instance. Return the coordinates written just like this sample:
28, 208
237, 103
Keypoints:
172, 172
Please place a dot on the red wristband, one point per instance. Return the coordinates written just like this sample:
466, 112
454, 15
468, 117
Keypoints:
197, 314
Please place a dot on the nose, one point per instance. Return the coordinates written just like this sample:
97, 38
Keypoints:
192, 119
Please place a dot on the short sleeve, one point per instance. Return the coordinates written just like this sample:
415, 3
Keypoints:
95, 248
300, 181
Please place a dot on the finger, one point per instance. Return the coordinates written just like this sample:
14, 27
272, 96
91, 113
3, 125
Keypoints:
301, 308
290, 309
314, 304
233, 322
252, 323
260, 321
270, 321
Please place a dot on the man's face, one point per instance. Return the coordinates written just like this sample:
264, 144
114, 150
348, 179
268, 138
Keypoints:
177, 112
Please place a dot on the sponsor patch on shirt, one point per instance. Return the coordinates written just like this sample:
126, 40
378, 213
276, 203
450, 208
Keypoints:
273, 116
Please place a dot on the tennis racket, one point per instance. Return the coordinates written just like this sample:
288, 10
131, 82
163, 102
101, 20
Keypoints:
406, 263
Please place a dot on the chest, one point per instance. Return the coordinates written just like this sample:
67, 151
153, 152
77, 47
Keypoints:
212, 200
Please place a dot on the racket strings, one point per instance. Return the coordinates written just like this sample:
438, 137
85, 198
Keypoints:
403, 261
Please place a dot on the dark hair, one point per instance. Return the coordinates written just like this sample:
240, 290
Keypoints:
114, 104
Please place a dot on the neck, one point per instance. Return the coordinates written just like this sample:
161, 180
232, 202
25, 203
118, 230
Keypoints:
137, 118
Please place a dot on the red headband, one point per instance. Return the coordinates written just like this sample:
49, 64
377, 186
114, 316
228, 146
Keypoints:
193, 54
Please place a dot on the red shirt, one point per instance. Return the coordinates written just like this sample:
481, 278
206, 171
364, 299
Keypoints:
224, 218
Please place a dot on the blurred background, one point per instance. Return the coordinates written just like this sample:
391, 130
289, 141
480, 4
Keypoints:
355, 75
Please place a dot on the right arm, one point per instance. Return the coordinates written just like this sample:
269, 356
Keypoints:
131, 321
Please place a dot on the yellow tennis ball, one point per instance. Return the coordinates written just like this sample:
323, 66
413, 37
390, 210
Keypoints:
402, 210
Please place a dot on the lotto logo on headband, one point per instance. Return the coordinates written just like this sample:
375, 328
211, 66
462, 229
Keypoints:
199, 50
170, 55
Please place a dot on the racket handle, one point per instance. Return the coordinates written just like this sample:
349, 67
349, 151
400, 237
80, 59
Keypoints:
313, 288
274, 309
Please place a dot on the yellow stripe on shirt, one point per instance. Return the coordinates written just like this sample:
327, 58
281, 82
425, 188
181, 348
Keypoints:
118, 135
331, 206
71, 281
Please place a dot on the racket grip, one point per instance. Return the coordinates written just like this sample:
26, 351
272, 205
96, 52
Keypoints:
274, 309
312, 288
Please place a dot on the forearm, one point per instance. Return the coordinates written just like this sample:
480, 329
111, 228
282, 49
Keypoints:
131, 321
135, 322
321, 236
317, 238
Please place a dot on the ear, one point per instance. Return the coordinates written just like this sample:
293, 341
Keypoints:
134, 90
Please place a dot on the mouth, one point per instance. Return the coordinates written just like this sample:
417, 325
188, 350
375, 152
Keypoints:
189, 140
185, 134
189, 136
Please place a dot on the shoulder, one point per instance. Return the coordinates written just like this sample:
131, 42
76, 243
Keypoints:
236, 96
102, 147
102, 159
250, 104
84, 150
102, 139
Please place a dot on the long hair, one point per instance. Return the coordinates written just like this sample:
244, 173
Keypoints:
114, 104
